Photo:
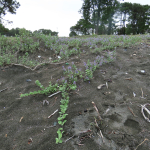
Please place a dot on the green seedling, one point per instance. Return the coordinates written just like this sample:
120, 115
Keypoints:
62, 122
72, 86
88, 74
59, 132
50, 89
61, 117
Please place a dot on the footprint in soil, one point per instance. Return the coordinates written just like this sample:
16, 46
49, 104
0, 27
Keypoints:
82, 129
120, 126
132, 126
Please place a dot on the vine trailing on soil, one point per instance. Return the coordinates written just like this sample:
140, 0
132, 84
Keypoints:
59, 132
73, 74
50, 89
64, 101
62, 114
64, 105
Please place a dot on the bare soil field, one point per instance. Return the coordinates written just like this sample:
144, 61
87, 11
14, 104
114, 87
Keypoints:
117, 124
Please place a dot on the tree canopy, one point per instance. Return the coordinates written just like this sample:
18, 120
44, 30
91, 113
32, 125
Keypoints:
102, 17
46, 32
20, 31
8, 6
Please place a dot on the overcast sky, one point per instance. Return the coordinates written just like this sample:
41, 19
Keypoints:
56, 15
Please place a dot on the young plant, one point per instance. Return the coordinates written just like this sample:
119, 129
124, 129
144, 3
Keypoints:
64, 104
59, 132
88, 74
73, 72
73, 86
50, 89
88, 70
61, 118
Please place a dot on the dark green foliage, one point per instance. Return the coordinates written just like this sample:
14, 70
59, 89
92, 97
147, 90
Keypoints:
13, 31
46, 32
16, 31
3, 30
8, 6
97, 16
100, 17
138, 20
82, 27
72, 33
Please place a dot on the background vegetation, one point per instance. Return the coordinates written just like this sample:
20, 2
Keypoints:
112, 17
98, 17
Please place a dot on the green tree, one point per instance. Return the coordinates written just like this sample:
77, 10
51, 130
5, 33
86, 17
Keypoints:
82, 27
14, 32
24, 32
122, 13
3, 30
54, 33
109, 11
72, 33
100, 14
139, 18
8, 6
46, 32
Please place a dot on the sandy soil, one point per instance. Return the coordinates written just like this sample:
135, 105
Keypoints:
24, 123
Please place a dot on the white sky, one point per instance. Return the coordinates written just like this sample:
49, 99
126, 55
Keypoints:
56, 15
142, 2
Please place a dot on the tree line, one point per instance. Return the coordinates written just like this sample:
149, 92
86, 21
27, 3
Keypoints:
112, 17
15, 31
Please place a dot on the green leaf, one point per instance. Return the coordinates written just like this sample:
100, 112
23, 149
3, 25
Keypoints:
60, 141
60, 122
64, 122
57, 140
59, 118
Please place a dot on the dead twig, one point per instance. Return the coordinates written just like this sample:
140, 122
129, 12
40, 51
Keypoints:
45, 102
131, 112
142, 93
143, 107
78, 93
107, 85
100, 86
101, 135
52, 113
69, 138
29, 67
20, 119
22, 66
40, 64
86, 131
54, 94
128, 79
97, 110
80, 144
141, 143
3, 90
134, 94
